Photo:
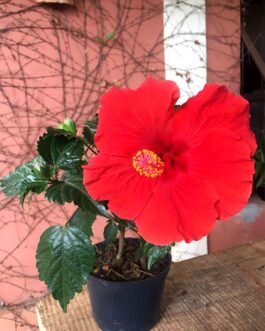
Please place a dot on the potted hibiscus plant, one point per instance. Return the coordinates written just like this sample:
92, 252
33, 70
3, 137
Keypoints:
165, 173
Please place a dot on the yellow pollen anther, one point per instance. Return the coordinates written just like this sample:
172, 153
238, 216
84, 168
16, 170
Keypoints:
148, 163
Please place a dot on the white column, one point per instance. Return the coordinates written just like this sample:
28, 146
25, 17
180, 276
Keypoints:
185, 62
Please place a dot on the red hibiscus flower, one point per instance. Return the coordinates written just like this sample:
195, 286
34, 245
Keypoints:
173, 172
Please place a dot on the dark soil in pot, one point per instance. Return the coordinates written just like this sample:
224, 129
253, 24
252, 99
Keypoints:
130, 269
126, 299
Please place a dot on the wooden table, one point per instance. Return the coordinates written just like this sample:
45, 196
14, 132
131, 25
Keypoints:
223, 291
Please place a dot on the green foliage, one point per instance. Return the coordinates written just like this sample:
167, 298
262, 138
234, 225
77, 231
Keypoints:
111, 35
90, 130
144, 248
125, 224
92, 124
65, 257
70, 188
110, 232
32, 184
89, 136
68, 125
155, 253
42, 170
83, 221
61, 132
152, 252
61, 151
24, 179
57, 170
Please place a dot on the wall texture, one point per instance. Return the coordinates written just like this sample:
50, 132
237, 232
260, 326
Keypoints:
223, 43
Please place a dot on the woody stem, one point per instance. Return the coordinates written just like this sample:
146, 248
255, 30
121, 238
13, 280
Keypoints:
121, 244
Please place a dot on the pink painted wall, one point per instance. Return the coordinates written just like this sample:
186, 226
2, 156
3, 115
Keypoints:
223, 43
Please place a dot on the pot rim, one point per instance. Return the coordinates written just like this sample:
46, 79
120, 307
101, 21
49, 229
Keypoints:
161, 274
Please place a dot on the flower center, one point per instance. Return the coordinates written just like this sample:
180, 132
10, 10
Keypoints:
148, 163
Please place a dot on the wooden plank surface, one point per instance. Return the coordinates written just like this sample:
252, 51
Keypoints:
220, 292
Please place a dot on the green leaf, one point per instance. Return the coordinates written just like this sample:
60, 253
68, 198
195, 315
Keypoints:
89, 136
110, 232
60, 132
152, 252
65, 257
71, 189
111, 35
144, 247
68, 125
155, 253
61, 151
32, 184
90, 130
125, 224
43, 171
92, 124
11, 183
23, 180
83, 221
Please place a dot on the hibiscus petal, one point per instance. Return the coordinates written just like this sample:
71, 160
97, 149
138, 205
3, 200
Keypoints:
130, 119
206, 147
183, 209
215, 107
114, 179
224, 158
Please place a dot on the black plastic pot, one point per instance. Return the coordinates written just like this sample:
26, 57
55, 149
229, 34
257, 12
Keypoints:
127, 306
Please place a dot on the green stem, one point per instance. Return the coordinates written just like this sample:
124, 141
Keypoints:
69, 219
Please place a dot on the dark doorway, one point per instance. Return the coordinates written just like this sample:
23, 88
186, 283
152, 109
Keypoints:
253, 60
